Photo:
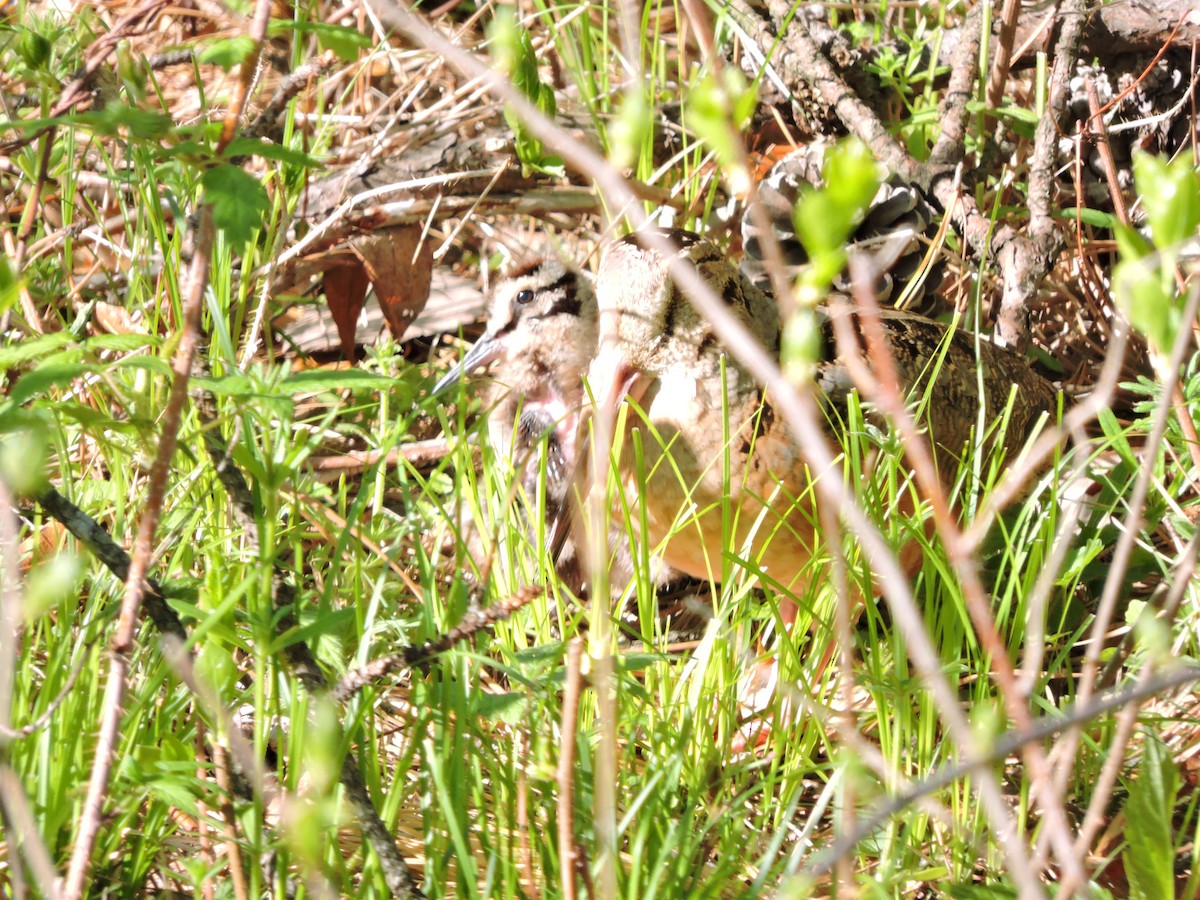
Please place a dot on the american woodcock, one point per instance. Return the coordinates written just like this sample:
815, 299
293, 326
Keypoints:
539, 341
718, 471
540, 337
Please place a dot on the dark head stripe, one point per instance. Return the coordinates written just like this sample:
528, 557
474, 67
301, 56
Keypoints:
671, 313
732, 295
567, 302
677, 236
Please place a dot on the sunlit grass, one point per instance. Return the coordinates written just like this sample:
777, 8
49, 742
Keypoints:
395, 556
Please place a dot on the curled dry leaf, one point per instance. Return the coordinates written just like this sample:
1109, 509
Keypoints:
399, 264
112, 319
346, 290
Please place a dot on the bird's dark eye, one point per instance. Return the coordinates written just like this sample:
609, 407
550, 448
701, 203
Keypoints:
524, 297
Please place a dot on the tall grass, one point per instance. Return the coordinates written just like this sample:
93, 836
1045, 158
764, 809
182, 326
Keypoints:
460, 756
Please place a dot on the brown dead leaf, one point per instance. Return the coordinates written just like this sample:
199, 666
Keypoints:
346, 290
400, 266
112, 319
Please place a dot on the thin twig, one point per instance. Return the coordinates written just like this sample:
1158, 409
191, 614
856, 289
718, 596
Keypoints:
1114, 584
1099, 135
1078, 714
1004, 53
525, 850
123, 639
263, 124
798, 410
16, 816
233, 850
299, 657
884, 389
92, 535
12, 734
202, 825
1024, 261
246, 72
135, 583
21, 827
847, 724
1115, 749
97, 540
811, 65
473, 622
10, 606
28, 218
418, 454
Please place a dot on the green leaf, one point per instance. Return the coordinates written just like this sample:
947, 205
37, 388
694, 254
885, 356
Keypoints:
122, 343
233, 385
1117, 436
156, 365
1150, 856
628, 133
509, 708
116, 117
15, 418
636, 662
32, 348
825, 218
23, 458
50, 583
851, 178
239, 202
801, 345
132, 71
1152, 307
215, 662
31, 126
245, 146
1131, 245
9, 284
1170, 195
1095, 217
191, 149
34, 49
40, 380
334, 380
228, 52
716, 110
97, 420
344, 41
513, 53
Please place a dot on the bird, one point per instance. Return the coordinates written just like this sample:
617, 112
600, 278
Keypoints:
539, 340
715, 470
538, 343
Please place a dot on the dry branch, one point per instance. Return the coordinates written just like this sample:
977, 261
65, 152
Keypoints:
798, 410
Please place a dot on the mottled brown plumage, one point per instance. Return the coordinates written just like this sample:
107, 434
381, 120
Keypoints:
539, 341
705, 415
921, 349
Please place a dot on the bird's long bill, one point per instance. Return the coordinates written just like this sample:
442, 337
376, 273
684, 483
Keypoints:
486, 349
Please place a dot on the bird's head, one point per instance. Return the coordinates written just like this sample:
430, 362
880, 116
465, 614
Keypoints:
543, 305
